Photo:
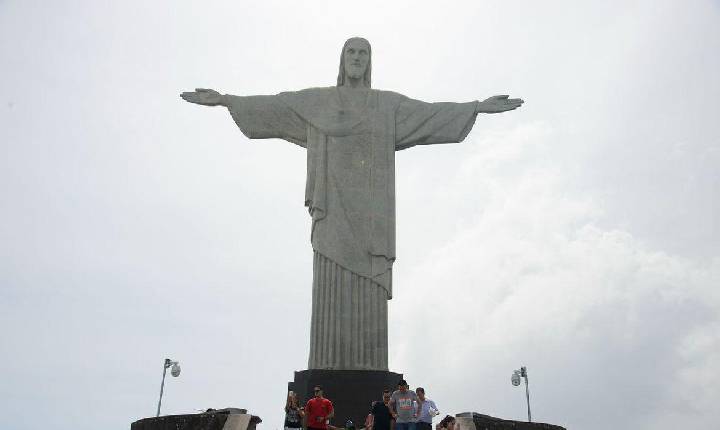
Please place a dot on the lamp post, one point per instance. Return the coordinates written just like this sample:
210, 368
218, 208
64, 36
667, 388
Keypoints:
515, 379
175, 371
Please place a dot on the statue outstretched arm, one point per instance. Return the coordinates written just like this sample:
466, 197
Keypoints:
258, 117
205, 97
497, 104
422, 123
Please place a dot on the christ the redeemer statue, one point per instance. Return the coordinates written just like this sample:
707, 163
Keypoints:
351, 133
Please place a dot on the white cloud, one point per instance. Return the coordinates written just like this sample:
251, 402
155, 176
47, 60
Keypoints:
532, 279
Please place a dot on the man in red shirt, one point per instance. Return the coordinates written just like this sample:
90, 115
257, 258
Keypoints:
318, 411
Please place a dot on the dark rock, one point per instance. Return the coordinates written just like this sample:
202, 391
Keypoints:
486, 422
213, 419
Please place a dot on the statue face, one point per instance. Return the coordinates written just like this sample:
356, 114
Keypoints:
356, 57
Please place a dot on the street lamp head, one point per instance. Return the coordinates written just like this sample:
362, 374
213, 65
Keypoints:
515, 378
175, 371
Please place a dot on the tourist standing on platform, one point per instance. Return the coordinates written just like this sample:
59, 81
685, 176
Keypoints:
402, 407
380, 417
318, 411
426, 410
293, 412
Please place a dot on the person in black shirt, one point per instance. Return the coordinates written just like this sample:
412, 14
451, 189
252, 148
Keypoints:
380, 412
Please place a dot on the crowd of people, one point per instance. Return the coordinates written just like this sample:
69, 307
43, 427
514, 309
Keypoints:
402, 409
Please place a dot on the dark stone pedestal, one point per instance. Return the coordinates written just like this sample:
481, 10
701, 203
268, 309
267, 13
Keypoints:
351, 391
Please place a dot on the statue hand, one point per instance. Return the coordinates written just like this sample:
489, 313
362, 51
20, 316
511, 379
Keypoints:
203, 96
497, 104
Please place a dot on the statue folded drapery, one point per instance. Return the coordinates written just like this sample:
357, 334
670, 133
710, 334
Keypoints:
351, 136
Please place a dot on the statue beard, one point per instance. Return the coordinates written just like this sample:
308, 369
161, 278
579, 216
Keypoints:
354, 72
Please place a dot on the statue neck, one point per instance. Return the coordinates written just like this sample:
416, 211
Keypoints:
354, 82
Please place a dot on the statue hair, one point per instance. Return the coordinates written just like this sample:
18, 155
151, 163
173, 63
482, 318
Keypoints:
368, 71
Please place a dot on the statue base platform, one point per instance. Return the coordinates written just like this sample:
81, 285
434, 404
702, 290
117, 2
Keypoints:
239, 419
351, 391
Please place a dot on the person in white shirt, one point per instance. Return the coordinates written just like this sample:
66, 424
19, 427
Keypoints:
426, 410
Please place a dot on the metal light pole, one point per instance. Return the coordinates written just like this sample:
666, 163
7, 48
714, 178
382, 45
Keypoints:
175, 371
515, 379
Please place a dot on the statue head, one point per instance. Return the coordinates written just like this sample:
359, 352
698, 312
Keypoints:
355, 62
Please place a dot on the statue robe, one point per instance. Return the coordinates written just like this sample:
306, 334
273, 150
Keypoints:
351, 136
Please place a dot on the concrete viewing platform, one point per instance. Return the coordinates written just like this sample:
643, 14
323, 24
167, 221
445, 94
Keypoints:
239, 419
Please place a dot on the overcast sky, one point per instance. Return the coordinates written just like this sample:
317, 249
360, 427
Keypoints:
577, 236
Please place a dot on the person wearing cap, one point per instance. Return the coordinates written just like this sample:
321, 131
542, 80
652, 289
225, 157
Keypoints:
318, 411
402, 407
426, 410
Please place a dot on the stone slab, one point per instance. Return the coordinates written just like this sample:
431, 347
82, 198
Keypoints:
212, 420
476, 421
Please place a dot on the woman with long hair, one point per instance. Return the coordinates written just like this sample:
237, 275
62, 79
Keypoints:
293, 412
